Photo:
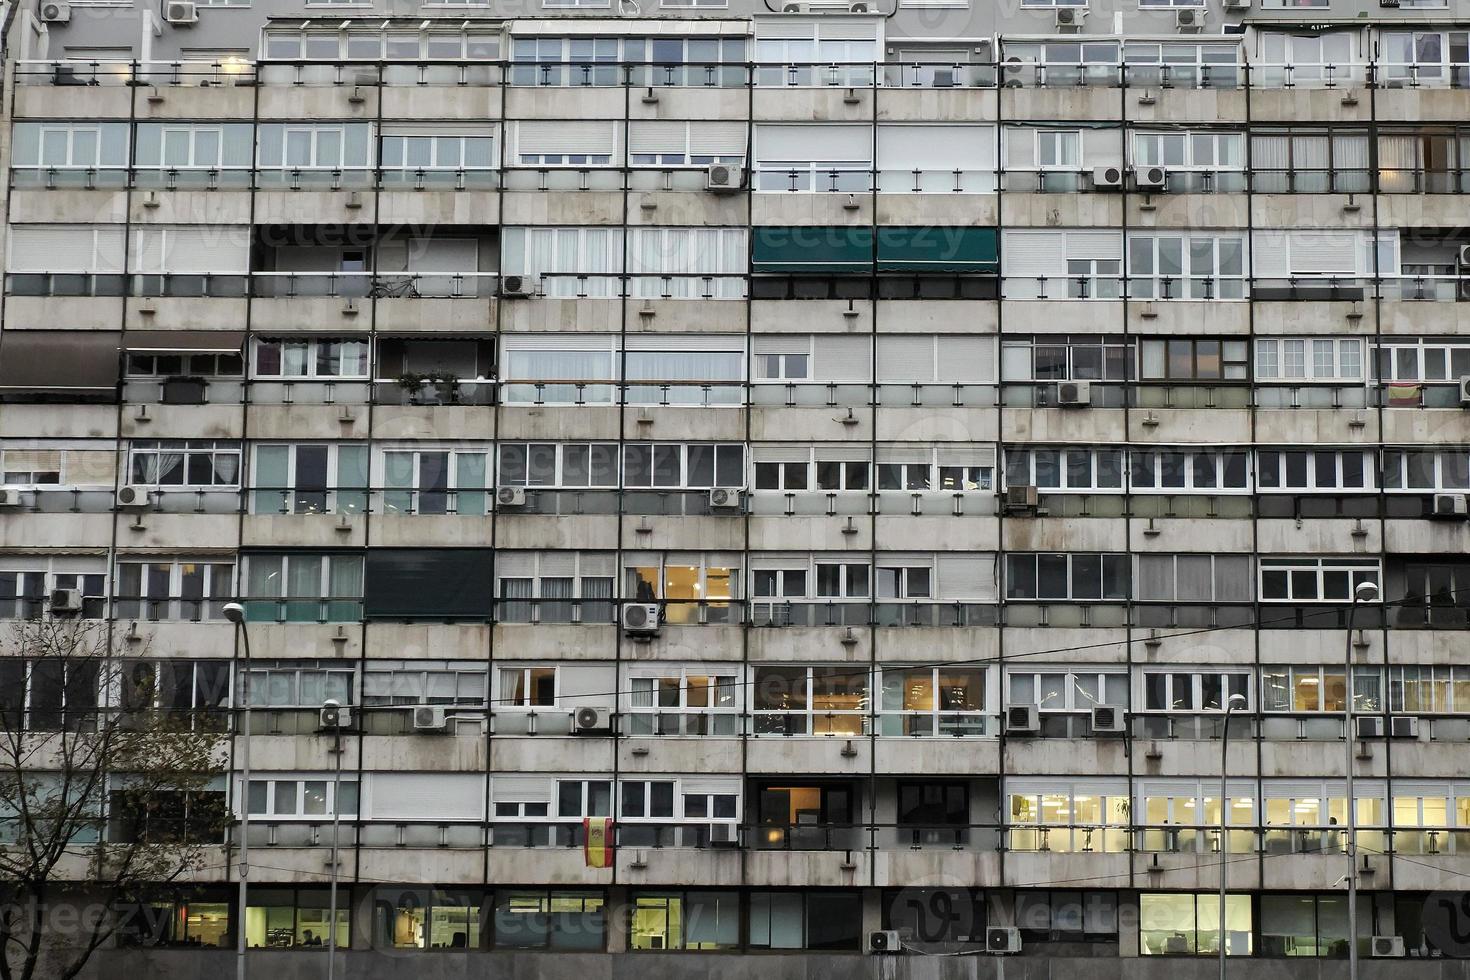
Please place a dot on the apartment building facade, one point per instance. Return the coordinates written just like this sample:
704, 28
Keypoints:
851, 456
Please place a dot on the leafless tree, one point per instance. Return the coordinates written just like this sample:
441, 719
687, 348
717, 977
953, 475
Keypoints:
103, 794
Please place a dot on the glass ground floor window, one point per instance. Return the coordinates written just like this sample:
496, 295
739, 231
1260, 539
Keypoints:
1186, 924
286, 918
684, 920
196, 917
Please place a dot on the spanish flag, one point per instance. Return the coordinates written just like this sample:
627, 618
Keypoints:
597, 841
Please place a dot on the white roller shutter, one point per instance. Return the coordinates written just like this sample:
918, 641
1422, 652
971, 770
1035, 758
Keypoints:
965, 455
905, 359
700, 785
780, 454
705, 342
1094, 244
781, 344
1034, 253
966, 360
845, 452
558, 564
437, 129
841, 358
212, 248
425, 795
718, 139
935, 147
903, 454
563, 341
657, 136
52, 248
813, 142
1271, 255
589, 137
1322, 252
603, 564
515, 564
768, 561
965, 576
520, 789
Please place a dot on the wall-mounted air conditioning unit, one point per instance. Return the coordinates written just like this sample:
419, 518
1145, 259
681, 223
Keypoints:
1465, 256
180, 12
1003, 940
1368, 726
1108, 720
1074, 394
429, 718
130, 497
1017, 71
510, 497
1450, 505
724, 178
1070, 18
53, 12
1190, 19
1022, 719
591, 720
794, 8
66, 601
1107, 178
1403, 726
1465, 391
10, 497
1150, 178
1388, 947
334, 717
885, 941
1237, 4
516, 287
1021, 498
640, 618
725, 498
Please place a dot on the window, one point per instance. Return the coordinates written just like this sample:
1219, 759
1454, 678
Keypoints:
304, 479
1200, 150
684, 920
790, 475
527, 687
1083, 815
1301, 690
412, 153
1193, 578
1067, 690
1189, 925
905, 581
410, 682
296, 146
58, 467
1304, 471
321, 357
195, 463
177, 589
783, 367
676, 465
583, 798
574, 466
1315, 579
1186, 267
48, 695
1309, 925
293, 684
1193, 691
197, 146
1066, 358
1064, 470
691, 588
1067, 577
842, 580
24, 588
555, 920
1184, 359
1430, 690
933, 701
172, 365
933, 805
194, 916
168, 817
1057, 264
683, 702
304, 588
427, 918
555, 587
70, 146
1189, 471
1067, 916
1405, 359
302, 799
282, 918
817, 919
810, 700
185, 689
1415, 470
1309, 359
935, 915
905, 476
435, 481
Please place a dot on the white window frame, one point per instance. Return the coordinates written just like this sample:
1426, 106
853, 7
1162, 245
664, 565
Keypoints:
1228, 678
256, 680
1357, 570
272, 784
215, 449
690, 718
685, 480
311, 347
1273, 461
1219, 461
1071, 703
560, 451
1387, 356
1064, 456
421, 673
1317, 675
1300, 360
1104, 558
504, 701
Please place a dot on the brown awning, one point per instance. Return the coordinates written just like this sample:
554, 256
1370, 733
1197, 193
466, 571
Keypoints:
185, 341
59, 360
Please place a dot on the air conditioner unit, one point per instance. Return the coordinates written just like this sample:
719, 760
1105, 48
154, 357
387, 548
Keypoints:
1189, 20
66, 601
860, 8
1107, 178
10, 497
55, 13
945, 78
725, 498
1108, 720
640, 618
334, 717
1237, 4
1070, 17
1003, 940
1450, 505
1022, 719
429, 718
1074, 393
1368, 726
723, 835
1150, 178
793, 8
591, 720
1016, 70
1021, 497
516, 287
885, 941
1465, 256
723, 178
510, 497
1388, 946
181, 12
1403, 726
130, 497
1465, 391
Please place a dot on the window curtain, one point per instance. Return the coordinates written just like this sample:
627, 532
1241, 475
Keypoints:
1270, 157
515, 596
597, 604
272, 471
345, 589
469, 477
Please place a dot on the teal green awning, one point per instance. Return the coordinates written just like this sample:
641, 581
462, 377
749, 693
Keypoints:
837, 250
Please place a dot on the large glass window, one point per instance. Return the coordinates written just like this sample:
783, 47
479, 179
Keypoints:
1187, 924
1315, 579
1067, 577
817, 919
554, 920
933, 701
427, 918
935, 915
286, 918
810, 700
692, 920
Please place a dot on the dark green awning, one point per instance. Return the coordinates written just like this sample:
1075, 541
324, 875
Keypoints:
938, 249
789, 249
837, 250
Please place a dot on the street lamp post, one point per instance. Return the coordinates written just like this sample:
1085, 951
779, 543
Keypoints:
1364, 592
235, 613
332, 714
1235, 701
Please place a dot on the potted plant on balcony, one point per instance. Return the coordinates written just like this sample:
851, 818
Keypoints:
447, 384
412, 384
